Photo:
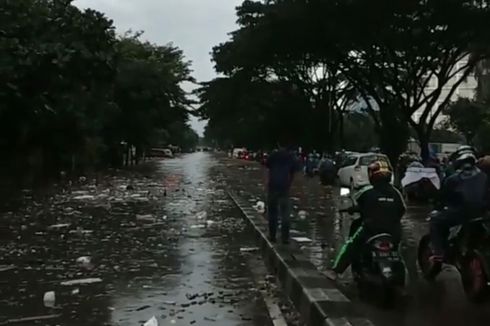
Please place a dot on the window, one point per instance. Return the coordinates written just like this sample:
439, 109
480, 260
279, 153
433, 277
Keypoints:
366, 160
351, 160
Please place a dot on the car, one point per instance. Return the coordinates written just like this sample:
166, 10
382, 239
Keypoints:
353, 171
238, 152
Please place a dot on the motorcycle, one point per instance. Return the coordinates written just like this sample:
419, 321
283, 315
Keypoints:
379, 268
469, 252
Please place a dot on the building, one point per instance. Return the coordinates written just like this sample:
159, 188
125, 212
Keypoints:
467, 89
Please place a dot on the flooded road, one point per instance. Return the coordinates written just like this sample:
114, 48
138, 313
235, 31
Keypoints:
315, 216
165, 243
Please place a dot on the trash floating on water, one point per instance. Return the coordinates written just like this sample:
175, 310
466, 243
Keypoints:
249, 249
302, 214
260, 207
84, 197
201, 215
5, 268
146, 218
210, 222
49, 299
58, 226
152, 322
198, 226
31, 319
302, 239
81, 281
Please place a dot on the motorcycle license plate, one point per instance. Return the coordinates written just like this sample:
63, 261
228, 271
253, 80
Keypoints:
391, 255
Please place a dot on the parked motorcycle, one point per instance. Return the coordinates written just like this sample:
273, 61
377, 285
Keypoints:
379, 270
469, 252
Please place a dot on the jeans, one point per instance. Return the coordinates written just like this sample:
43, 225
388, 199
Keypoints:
440, 224
278, 206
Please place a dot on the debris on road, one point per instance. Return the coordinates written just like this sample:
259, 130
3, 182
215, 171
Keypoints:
146, 218
49, 299
302, 239
302, 215
24, 320
81, 281
152, 322
249, 249
260, 207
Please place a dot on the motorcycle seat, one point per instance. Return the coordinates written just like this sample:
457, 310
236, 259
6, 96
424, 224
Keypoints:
379, 236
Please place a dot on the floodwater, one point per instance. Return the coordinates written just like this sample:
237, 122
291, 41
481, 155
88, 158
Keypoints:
442, 303
165, 243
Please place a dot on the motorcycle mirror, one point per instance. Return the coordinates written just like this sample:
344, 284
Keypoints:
344, 192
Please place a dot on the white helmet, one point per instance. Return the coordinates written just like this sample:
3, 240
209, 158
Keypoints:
464, 155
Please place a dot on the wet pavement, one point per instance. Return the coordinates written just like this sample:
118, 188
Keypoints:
315, 217
166, 242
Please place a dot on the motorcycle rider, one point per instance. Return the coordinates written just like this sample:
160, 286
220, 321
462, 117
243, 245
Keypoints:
381, 208
462, 198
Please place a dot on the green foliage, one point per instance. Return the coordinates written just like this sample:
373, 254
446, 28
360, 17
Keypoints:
386, 52
71, 91
472, 119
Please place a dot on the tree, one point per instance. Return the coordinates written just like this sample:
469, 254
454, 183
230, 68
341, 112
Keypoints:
73, 90
468, 117
389, 55
252, 50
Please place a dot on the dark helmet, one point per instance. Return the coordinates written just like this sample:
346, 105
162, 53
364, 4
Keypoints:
465, 155
379, 172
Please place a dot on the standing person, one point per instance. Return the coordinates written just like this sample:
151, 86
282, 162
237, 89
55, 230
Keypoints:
282, 166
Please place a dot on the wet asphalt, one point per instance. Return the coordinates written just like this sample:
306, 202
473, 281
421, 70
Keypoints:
315, 215
166, 242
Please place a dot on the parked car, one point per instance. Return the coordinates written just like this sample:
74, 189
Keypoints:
353, 172
238, 152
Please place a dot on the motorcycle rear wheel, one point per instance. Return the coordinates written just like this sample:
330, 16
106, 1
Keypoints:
429, 271
474, 278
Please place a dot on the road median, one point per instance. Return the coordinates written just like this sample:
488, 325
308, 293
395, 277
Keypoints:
317, 298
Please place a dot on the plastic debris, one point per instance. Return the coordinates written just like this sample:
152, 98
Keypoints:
152, 322
81, 281
49, 299
201, 215
302, 239
260, 207
58, 226
5, 268
302, 214
84, 197
146, 218
249, 249
31, 319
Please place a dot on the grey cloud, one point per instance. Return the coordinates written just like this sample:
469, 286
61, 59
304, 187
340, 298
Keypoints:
195, 26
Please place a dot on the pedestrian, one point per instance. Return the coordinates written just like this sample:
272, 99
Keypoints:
282, 166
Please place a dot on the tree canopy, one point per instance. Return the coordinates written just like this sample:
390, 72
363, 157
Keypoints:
396, 58
73, 91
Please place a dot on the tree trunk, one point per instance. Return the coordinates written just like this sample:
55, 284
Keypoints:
424, 138
341, 130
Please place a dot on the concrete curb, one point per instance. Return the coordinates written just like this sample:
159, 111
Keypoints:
317, 298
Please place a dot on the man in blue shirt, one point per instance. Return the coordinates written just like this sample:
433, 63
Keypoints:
281, 165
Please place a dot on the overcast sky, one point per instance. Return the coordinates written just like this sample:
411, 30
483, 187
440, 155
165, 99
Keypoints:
195, 26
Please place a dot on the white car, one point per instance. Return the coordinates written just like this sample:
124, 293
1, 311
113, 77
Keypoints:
353, 171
